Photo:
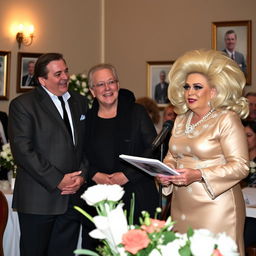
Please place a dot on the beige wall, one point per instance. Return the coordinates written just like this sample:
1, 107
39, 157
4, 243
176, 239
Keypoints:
136, 31
71, 27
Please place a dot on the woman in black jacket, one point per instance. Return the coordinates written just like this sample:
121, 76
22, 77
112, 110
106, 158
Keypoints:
117, 125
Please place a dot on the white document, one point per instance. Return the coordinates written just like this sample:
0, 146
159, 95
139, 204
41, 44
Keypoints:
249, 196
151, 166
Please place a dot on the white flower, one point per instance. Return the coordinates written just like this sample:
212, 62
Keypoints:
252, 164
155, 252
115, 192
94, 194
173, 247
101, 192
73, 77
112, 227
202, 243
83, 76
252, 167
4, 154
226, 245
169, 223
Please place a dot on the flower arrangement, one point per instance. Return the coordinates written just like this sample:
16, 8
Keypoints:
151, 238
79, 83
6, 158
252, 167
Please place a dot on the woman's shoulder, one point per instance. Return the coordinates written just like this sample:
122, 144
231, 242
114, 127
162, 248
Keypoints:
225, 115
227, 120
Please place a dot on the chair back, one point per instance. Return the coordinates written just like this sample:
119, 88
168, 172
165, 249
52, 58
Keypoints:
3, 219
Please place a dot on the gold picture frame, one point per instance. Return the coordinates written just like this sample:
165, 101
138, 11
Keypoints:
5, 64
154, 70
243, 32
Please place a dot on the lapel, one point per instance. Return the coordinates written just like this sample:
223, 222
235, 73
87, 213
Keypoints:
48, 106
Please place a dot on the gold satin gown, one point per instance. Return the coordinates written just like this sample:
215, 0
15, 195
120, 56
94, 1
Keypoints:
218, 147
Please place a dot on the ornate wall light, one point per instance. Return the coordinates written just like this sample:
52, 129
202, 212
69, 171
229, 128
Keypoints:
25, 35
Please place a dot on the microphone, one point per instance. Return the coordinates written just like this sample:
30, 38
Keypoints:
167, 127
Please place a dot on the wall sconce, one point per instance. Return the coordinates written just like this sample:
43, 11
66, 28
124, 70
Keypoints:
25, 35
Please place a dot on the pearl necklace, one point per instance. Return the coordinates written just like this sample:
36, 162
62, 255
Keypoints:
190, 127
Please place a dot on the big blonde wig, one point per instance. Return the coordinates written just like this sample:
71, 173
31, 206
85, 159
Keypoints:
222, 73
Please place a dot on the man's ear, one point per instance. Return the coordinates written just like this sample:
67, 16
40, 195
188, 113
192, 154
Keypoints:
41, 80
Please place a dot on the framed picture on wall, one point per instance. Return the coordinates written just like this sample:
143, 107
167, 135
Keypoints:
5, 64
234, 38
157, 81
25, 73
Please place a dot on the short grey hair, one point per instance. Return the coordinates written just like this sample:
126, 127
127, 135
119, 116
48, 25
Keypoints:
100, 67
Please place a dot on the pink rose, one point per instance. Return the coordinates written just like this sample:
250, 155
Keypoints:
216, 252
135, 240
155, 226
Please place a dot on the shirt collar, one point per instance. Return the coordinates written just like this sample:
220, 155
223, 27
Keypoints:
230, 53
65, 96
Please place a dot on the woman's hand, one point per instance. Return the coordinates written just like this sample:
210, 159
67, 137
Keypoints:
163, 180
102, 178
186, 177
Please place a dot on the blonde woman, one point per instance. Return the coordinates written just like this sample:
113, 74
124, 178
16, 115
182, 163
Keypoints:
208, 146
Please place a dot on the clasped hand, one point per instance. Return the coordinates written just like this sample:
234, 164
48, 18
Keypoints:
115, 178
186, 177
70, 183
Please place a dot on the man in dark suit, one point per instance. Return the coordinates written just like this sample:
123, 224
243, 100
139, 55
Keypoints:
50, 159
161, 89
29, 78
230, 42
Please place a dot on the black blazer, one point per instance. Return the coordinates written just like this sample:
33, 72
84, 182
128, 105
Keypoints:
134, 134
44, 151
161, 95
31, 83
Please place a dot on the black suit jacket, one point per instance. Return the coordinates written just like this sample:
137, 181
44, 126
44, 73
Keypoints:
31, 83
161, 94
44, 150
240, 60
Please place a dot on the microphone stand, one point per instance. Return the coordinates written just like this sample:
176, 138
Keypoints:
160, 185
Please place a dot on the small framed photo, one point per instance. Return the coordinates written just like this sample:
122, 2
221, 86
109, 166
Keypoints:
234, 38
25, 73
5, 64
157, 81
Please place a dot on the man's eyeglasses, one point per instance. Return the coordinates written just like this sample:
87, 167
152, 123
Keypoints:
110, 82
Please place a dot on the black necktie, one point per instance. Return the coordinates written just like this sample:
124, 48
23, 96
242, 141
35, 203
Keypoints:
65, 115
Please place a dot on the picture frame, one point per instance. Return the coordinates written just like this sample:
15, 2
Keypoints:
25, 70
155, 72
240, 40
5, 64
